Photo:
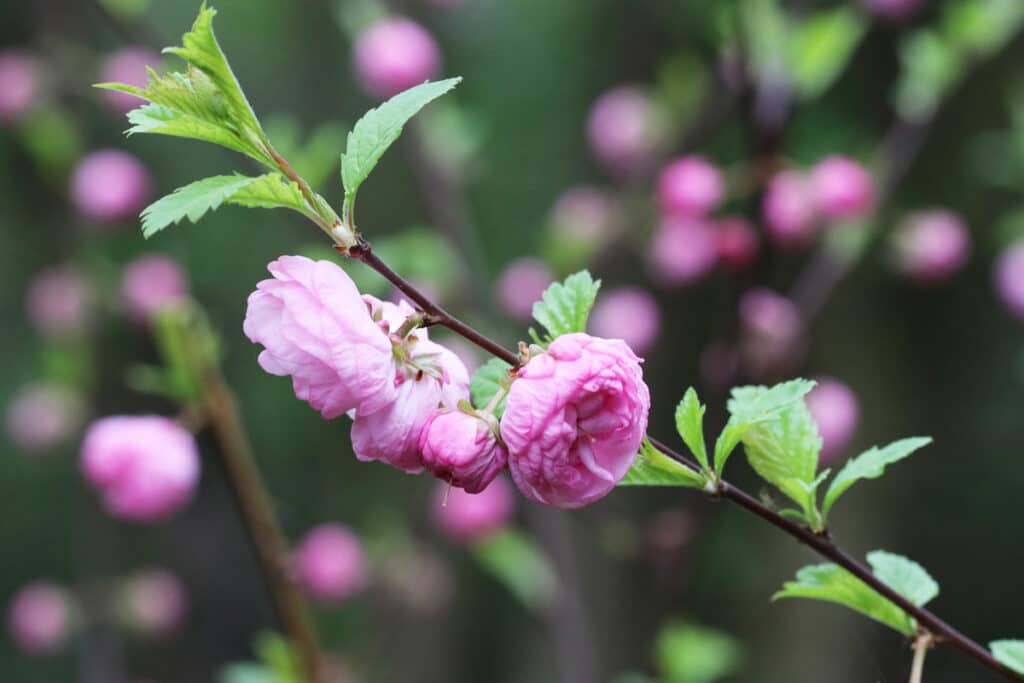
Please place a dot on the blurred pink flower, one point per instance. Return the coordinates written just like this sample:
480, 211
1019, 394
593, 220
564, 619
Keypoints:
585, 213
43, 415
39, 618
393, 55
58, 301
145, 467
625, 129
574, 419
150, 283
109, 186
127, 66
772, 333
19, 85
682, 251
789, 209
737, 243
630, 314
330, 564
835, 409
690, 186
892, 9
155, 602
462, 449
520, 286
842, 188
932, 245
1009, 278
469, 517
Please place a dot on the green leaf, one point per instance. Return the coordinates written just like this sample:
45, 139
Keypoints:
688, 653
1010, 653
380, 127
820, 48
565, 306
751, 405
651, 467
831, 583
931, 67
271, 191
486, 381
870, 465
904, 576
515, 560
805, 494
198, 125
690, 425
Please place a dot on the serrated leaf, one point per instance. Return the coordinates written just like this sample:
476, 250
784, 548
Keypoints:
688, 653
159, 119
831, 583
565, 306
380, 127
271, 191
520, 565
805, 494
1009, 652
651, 467
904, 576
485, 383
870, 464
821, 46
751, 405
690, 425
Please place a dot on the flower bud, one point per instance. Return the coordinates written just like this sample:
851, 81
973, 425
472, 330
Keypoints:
789, 210
574, 419
394, 55
39, 618
151, 283
630, 314
330, 564
43, 415
110, 186
682, 251
1009, 278
146, 468
690, 187
842, 188
468, 517
737, 243
932, 245
835, 409
19, 85
59, 301
462, 449
520, 286
155, 602
625, 129
127, 66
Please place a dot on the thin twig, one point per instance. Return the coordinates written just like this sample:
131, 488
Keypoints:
922, 643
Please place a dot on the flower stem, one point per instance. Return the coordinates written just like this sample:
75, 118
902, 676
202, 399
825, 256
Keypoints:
922, 644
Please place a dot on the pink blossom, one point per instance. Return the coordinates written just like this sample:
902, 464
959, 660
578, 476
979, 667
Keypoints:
316, 327
932, 245
58, 301
625, 129
789, 209
520, 286
127, 66
682, 251
429, 377
584, 213
151, 283
19, 85
630, 314
109, 186
469, 517
835, 409
39, 618
574, 420
42, 415
690, 186
892, 9
772, 332
146, 467
393, 55
737, 243
330, 564
462, 449
155, 602
842, 188
1009, 278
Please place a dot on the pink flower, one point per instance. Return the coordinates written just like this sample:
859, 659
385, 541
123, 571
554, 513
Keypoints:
835, 409
932, 245
842, 188
127, 66
330, 564
394, 55
772, 340
630, 314
316, 327
520, 286
39, 618
625, 129
462, 449
790, 214
574, 420
19, 85
59, 300
1009, 278
151, 283
110, 186
470, 517
690, 186
145, 467
155, 602
892, 9
584, 213
682, 251
737, 243
429, 377
41, 416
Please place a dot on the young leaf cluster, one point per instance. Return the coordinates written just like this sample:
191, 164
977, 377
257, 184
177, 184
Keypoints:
564, 307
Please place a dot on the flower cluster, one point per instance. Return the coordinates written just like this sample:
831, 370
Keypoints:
575, 415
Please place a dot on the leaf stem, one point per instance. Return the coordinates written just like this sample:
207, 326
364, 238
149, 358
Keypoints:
922, 643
